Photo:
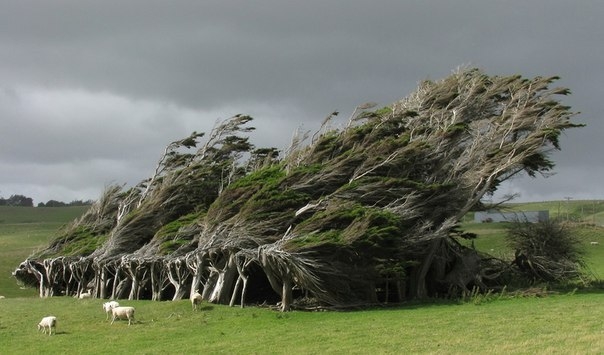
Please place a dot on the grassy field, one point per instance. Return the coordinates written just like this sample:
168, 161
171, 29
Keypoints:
24, 230
559, 324
563, 323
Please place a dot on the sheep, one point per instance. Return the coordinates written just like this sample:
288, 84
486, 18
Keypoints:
196, 299
49, 322
86, 294
121, 313
108, 306
595, 243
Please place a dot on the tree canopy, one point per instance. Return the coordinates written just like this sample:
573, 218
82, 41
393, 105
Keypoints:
359, 214
17, 200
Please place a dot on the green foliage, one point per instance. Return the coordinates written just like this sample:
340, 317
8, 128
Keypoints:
269, 202
372, 231
17, 200
270, 196
267, 176
171, 245
80, 241
318, 238
170, 229
457, 232
305, 171
384, 111
326, 146
169, 237
258, 196
456, 128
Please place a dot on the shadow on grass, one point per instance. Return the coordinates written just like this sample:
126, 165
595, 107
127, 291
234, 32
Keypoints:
207, 307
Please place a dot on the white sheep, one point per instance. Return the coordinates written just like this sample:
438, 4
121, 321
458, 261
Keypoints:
86, 294
595, 243
108, 306
196, 299
49, 322
122, 313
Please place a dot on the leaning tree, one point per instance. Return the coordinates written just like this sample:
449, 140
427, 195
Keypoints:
355, 215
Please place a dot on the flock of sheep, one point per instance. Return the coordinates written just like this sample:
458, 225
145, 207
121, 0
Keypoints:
49, 323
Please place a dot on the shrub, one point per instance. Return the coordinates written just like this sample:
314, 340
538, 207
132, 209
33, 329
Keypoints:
545, 251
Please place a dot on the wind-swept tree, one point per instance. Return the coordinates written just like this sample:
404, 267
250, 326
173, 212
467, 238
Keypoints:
358, 215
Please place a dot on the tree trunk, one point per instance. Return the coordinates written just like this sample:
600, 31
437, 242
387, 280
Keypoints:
286, 295
241, 281
210, 284
178, 274
195, 264
243, 291
224, 284
421, 291
387, 290
67, 278
157, 280
400, 289
41, 282
116, 281
129, 266
122, 288
235, 291
49, 271
133, 289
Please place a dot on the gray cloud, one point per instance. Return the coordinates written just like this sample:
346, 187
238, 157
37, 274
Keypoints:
99, 88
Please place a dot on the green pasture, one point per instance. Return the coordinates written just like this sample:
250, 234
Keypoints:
554, 324
24, 230
568, 322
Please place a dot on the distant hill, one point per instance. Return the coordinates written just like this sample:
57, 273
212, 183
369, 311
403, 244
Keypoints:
586, 211
11, 215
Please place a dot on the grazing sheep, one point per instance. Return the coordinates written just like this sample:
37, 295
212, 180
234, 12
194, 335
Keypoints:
1, 297
49, 322
86, 294
594, 243
108, 306
122, 313
196, 299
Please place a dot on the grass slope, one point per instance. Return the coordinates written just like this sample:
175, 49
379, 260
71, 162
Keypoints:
24, 230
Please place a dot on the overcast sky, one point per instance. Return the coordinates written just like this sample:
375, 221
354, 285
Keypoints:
92, 91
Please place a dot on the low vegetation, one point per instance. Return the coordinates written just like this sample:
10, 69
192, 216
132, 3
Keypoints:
530, 324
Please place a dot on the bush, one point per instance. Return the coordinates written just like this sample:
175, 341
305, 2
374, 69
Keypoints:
545, 251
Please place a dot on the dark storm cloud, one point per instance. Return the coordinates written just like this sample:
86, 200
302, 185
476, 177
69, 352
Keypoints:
96, 84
